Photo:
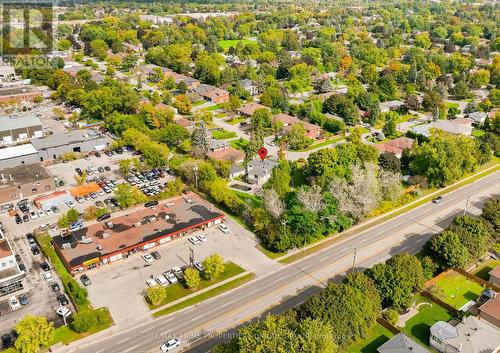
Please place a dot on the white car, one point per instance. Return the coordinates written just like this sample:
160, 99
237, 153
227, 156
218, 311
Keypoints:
49, 211
47, 276
40, 214
199, 266
170, 276
33, 215
223, 228
148, 258
63, 311
151, 282
194, 240
202, 237
170, 345
70, 204
14, 303
162, 281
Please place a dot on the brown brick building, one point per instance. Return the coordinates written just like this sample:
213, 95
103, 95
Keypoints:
24, 181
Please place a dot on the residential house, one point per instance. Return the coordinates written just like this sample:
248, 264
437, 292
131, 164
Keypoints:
478, 117
212, 93
188, 124
236, 171
191, 83
249, 108
460, 126
401, 344
149, 70
396, 146
215, 145
312, 131
11, 277
495, 275
249, 86
24, 181
490, 311
15, 129
228, 154
391, 105
259, 171
471, 335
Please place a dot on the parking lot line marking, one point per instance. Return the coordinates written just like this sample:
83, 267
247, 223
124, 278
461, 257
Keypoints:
123, 340
128, 350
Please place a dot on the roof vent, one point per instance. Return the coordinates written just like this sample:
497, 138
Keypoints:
137, 224
66, 246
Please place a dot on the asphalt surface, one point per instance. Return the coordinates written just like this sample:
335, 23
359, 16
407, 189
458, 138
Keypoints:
198, 326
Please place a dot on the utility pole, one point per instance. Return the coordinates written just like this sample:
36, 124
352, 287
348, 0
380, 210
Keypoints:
195, 169
466, 205
354, 259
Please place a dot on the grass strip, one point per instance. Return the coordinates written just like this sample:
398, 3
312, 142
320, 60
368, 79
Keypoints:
205, 295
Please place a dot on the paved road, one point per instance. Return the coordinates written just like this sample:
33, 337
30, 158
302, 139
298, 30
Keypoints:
293, 283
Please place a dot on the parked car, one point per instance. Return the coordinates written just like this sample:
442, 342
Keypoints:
48, 276
34, 249
162, 281
151, 282
23, 299
106, 168
156, 255
202, 237
55, 287
79, 199
33, 215
223, 228
14, 303
40, 214
148, 258
85, 280
170, 345
26, 218
151, 204
45, 266
49, 211
178, 272
55, 209
199, 266
6, 341
19, 220
169, 275
194, 240
63, 311
188, 199
61, 298
104, 217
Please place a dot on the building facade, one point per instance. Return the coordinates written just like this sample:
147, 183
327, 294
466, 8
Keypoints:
18, 129
24, 181
18, 155
11, 277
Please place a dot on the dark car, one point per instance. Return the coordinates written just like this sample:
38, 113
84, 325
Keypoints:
104, 217
6, 341
100, 169
85, 280
156, 255
78, 170
26, 218
35, 250
98, 155
18, 258
21, 266
55, 287
19, 220
61, 298
23, 299
106, 168
151, 204
31, 238
45, 266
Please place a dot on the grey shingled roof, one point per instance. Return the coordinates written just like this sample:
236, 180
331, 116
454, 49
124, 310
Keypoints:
401, 344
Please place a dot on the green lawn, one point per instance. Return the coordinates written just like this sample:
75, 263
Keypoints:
456, 289
478, 132
321, 144
419, 325
206, 295
223, 134
378, 337
228, 43
269, 253
214, 107
483, 270
236, 120
66, 335
251, 200
239, 144
177, 291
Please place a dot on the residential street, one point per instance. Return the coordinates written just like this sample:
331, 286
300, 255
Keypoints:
290, 284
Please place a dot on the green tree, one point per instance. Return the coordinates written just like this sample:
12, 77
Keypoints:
389, 128
155, 155
192, 277
390, 162
449, 250
125, 165
214, 266
183, 104
34, 332
155, 295
128, 195
80, 178
280, 178
491, 213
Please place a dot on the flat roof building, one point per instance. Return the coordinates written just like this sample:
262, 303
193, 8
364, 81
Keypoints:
18, 94
15, 129
18, 155
11, 277
23, 181
117, 238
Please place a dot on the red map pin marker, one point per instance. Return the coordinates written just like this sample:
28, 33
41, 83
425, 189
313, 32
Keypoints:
262, 153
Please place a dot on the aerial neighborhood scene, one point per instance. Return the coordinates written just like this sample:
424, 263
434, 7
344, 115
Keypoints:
250, 176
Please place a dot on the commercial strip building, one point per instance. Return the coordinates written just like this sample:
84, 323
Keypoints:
53, 146
18, 94
24, 181
15, 129
11, 277
117, 238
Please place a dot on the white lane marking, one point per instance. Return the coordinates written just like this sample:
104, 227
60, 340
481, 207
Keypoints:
100, 350
131, 348
148, 329
123, 340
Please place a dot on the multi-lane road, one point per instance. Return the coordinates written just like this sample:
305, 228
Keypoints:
291, 284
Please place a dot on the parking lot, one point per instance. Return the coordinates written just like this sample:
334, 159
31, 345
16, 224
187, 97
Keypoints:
120, 286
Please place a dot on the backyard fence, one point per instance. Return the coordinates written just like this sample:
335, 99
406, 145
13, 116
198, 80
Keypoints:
433, 280
388, 325
479, 280
435, 299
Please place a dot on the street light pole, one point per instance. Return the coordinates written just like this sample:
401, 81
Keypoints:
195, 169
466, 205
354, 259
